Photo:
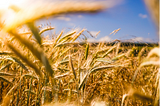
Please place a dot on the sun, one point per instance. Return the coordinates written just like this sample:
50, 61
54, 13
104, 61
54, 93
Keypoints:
4, 4
5, 12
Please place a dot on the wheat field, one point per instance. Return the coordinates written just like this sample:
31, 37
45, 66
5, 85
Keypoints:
61, 70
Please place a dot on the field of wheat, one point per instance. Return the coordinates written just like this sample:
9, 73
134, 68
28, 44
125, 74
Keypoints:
62, 70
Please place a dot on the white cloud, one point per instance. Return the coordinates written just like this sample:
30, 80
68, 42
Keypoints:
79, 16
94, 33
105, 39
63, 18
149, 40
142, 15
91, 40
137, 39
141, 39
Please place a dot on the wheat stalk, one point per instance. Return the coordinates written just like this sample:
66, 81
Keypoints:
50, 9
153, 7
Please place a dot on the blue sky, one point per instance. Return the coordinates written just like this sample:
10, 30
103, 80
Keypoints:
130, 15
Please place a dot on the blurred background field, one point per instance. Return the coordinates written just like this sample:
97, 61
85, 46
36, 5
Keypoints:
42, 63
